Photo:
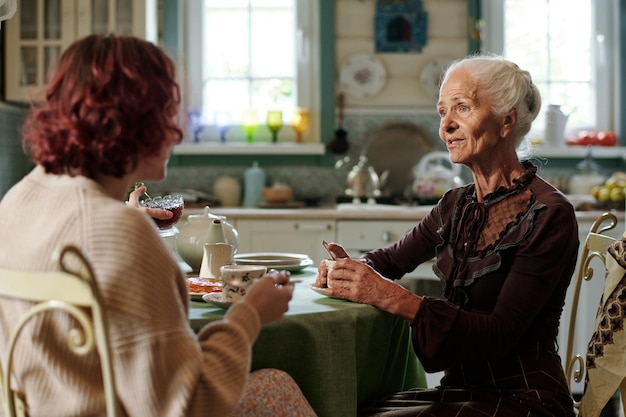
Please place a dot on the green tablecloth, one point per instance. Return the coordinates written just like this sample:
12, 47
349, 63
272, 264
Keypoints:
341, 354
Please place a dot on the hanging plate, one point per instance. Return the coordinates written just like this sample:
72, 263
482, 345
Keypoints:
431, 74
363, 76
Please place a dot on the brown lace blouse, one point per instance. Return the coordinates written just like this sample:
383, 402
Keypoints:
504, 266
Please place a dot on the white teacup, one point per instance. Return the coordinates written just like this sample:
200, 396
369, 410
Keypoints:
238, 278
330, 264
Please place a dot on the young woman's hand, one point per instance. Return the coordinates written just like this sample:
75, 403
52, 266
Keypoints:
270, 295
133, 201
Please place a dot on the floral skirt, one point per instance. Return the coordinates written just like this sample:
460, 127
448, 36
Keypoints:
272, 393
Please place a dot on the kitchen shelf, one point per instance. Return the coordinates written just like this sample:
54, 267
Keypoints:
287, 148
597, 152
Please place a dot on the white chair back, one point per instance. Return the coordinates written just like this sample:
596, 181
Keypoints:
73, 291
595, 247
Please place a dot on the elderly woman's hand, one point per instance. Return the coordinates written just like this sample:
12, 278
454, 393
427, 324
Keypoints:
133, 201
354, 280
336, 251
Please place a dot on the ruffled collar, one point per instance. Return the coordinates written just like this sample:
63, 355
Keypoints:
503, 192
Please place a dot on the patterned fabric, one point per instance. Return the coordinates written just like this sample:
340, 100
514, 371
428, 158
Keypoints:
606, 362
272, 393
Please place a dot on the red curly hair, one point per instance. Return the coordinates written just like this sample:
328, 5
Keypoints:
113, 100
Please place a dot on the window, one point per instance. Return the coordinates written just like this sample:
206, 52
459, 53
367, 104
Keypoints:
570, 49
251, 54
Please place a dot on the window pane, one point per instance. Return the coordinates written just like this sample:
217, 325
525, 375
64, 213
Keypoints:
249, 57
552, 40
225, 96
272, 44
28, 19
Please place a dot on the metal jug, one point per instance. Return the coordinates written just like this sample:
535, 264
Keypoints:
363, 181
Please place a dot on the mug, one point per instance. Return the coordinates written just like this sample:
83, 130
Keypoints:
237, 279
215, 256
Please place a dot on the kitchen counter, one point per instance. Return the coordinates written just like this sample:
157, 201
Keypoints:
348, 212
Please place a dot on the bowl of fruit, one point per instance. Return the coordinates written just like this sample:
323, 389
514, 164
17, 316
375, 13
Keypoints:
611, 194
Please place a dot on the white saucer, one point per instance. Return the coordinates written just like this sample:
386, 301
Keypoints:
216, 298
318, 290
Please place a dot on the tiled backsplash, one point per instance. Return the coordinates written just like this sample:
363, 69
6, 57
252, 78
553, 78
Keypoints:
307, 181
326, 183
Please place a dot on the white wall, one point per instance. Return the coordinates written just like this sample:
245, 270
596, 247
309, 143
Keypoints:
447, 37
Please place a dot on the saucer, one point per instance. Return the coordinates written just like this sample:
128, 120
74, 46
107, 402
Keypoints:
318, 290
322, 291
216, 298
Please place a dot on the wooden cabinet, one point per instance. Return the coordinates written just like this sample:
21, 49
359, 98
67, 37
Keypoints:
296, 236
41, 29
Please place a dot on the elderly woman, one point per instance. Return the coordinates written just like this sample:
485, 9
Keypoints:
108, 120
505, 249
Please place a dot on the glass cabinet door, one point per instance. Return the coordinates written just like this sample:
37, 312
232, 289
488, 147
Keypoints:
41, 29
123, 17
36, 35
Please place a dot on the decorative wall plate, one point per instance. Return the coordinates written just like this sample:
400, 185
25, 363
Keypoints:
363, 75
431, 73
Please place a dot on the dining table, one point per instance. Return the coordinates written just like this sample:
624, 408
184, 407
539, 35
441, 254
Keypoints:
341, 354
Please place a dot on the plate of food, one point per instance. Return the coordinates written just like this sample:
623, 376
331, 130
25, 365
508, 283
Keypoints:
197, 287
275, 260
217, 299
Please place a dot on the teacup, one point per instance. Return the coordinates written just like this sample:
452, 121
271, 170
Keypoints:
237, 279
330, 264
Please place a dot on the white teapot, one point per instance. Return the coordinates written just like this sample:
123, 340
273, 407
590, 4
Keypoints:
194, 233
432, 179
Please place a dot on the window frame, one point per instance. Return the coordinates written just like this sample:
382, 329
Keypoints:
308, 63
605, 72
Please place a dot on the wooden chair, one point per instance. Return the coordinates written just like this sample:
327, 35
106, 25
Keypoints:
73, 291
595, 247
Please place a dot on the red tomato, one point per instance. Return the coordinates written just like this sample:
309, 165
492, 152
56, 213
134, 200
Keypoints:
607, 138
587, 137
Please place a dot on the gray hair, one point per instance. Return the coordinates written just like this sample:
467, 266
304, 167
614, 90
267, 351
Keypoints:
509, 87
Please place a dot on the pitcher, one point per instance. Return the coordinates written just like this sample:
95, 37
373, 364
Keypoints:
555, 126
215, 256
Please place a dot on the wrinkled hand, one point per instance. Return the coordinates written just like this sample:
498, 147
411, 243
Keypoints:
354, 280
270, 295
322, 271
133, 201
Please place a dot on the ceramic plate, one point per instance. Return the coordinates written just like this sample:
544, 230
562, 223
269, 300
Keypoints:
318, 290
196, 296
216, 298
275, 260
430, 75
363, 75
322, 291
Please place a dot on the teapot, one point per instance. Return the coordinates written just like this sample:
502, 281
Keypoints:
363, 181
196, 231
432, 179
